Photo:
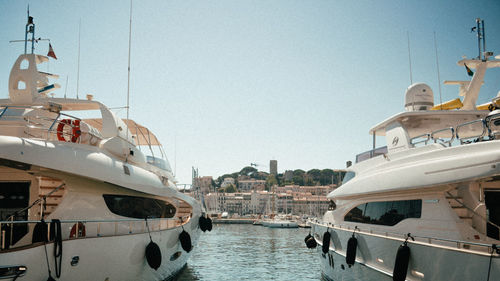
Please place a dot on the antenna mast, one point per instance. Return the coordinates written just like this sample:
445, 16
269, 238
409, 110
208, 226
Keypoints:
129, 47
437, 67
30, 28
480, 35
409, 56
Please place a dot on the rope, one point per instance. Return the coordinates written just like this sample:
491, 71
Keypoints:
57, 246
147, 226
47, 259
493, 249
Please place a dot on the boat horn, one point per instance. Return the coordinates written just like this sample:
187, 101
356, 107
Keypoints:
402, 260
153, 252
352, 244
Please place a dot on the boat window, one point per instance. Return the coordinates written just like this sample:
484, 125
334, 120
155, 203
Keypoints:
138, 207
158, 162
348, 176
385, 213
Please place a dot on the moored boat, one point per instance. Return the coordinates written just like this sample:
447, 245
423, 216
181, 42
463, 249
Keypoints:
425, 206
80, 199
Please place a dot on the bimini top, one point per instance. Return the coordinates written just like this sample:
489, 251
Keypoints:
140, 134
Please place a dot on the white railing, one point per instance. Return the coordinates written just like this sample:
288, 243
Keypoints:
490, 249
75, 229
468, 132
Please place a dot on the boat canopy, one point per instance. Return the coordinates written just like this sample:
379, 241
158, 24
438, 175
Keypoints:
141, 134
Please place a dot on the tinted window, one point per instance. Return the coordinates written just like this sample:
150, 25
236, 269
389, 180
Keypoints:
348, 176
138, 207
385, 213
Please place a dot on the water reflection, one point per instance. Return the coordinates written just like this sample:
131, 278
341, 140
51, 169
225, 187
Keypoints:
249, 252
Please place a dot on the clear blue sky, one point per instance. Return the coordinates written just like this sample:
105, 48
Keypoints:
227, 83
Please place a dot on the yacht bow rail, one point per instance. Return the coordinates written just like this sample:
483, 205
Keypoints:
452, 244
84, 228
468, 132
41, 126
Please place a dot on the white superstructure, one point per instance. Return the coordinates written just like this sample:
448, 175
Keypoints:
429, 201
81, 199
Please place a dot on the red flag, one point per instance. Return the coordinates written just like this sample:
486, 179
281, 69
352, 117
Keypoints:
51, 52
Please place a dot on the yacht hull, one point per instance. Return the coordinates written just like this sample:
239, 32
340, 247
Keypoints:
106, 258
376, 254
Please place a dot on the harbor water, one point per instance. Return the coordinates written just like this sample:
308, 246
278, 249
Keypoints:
252, 252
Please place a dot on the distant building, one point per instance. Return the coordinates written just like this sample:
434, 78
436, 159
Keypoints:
251, 184
227, 182
288, 175
273, 167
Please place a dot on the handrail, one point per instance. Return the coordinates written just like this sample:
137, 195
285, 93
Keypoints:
483, 133
397, 235
39, 200
474, 212
441, 139
425, 141
91, 221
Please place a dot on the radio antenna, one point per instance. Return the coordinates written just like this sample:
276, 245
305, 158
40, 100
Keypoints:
409, 56
437, 67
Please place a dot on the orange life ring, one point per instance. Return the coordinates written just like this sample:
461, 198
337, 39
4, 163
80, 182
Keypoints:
75, 131
81, 230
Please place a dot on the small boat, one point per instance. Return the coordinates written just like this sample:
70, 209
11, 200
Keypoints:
79, 198
280, 223
425, 206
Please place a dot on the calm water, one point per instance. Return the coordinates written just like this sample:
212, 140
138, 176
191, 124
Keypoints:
251, 252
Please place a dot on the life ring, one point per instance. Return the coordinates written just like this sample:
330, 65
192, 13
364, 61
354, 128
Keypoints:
81, 231
75, 131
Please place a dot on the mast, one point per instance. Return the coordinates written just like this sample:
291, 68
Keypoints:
30, 28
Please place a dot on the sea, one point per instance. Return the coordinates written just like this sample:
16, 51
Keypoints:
252, 252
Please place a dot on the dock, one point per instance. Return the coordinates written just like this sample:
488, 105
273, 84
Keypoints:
233, 221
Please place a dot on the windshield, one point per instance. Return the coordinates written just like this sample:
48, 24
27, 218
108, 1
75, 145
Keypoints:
349, 175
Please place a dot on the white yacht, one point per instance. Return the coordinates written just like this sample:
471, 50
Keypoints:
426, 206
79, 198
278, 222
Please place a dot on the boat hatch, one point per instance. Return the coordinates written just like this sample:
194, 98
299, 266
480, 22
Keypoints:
493, 213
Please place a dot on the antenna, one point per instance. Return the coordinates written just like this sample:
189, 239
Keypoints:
437, 67
409, 56
30, 28
78, 70
129, 48
480, 35
66, 88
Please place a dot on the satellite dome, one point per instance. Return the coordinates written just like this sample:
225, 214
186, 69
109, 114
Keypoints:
419, 96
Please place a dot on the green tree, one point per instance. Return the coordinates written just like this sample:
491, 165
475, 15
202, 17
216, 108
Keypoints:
247, 171
270, 181
230, 189
327, 177
298, 180
315, 175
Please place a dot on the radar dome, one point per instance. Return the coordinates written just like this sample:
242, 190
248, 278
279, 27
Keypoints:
419, 96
